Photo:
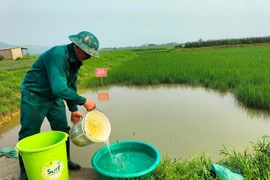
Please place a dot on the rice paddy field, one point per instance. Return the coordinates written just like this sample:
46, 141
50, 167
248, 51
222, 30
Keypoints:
244, 71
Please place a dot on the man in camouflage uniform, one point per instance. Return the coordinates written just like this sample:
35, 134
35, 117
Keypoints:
52, 79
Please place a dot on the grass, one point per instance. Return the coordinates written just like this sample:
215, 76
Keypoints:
12, 65
109, 60
9, 93
244, 71
252, 164
196, 167
11, 75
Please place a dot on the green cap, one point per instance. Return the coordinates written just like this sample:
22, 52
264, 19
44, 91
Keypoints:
87, 42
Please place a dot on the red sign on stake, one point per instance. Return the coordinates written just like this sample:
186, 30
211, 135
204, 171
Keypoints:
101, 72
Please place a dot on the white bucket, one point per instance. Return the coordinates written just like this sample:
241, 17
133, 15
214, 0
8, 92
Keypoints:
93, 128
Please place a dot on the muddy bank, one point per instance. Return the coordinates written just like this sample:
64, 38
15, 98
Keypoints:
7, 118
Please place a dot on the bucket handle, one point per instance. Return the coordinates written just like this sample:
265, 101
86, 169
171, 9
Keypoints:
99, 110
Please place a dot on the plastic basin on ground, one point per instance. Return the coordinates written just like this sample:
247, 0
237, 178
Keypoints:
128, 159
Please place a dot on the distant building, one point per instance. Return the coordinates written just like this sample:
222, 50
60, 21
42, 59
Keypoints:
13, 52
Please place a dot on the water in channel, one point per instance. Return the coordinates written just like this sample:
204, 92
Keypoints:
178, 120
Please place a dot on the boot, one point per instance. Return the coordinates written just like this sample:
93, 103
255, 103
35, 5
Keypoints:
23, 175
71, 165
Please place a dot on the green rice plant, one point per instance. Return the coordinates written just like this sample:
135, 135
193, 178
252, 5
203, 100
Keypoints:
11, 65
230, 69
10, 91
195, 167
254, 95
251, 164
109, 60
254, 164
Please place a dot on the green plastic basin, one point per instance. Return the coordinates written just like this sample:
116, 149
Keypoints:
128, 159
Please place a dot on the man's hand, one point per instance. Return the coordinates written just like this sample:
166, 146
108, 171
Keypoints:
89, 105
75, 117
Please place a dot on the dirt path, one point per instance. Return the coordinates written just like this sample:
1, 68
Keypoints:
9, 170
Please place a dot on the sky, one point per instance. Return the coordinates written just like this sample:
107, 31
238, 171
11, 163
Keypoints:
121, 23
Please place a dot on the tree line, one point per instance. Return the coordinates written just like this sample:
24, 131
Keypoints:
224, 42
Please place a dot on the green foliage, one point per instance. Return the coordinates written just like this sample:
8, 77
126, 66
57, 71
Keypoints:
254, 164
244, 71
19, 58
109, 60
196, 167
10, 92
143, 47
222, 42
254, 95
152, 50
11, 75
1, 57
11, 65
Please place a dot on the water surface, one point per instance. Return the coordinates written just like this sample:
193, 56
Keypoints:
178, 120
